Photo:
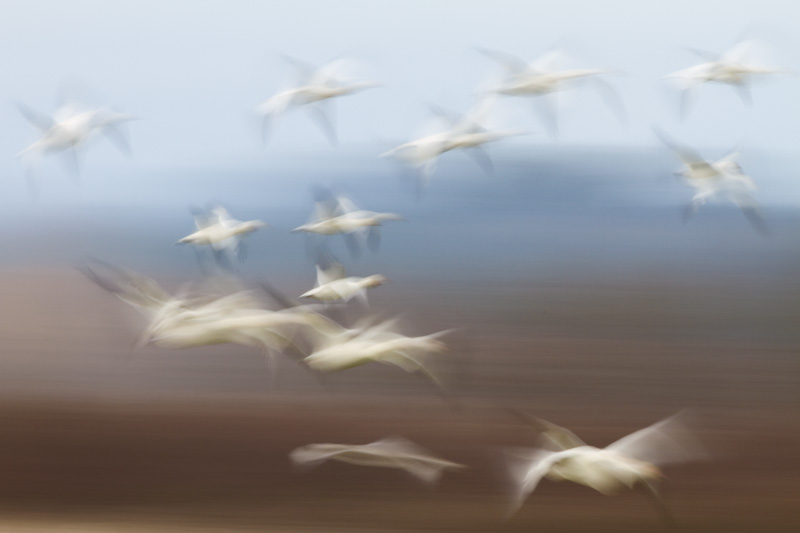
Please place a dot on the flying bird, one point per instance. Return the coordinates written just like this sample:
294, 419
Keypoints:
222, 233
721, 179
393, 452
222, 314
313, 89
733, 68
69, 129
467, 133
333, 284
632, 461
339, 215
338, 350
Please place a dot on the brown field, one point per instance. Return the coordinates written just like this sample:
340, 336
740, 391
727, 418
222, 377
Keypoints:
93, 440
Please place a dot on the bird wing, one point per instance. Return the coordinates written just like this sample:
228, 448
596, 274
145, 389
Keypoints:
130, 287
611, 98
552, 435
118, 138
511, 63
412, 458
271, 110
320, 112
450, 117
546, 61
740, 53
481, 110
202, 218
665, 442
42, 121
333, 72
557, 437
705, 54
526, 468
345, 205
688, 156
730, 162
223, 218
333, 272
398, 444
314, 454
304, 71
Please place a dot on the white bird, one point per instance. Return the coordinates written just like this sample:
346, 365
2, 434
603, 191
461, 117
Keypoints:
732, 68
179, 322
340, 215
344, 349
393, 452
721, 179
465, 132
540, 79
313, 88
221, 232
421, 155
631, 461
332, 285
70, 128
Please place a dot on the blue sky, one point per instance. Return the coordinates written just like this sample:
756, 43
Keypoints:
194, 71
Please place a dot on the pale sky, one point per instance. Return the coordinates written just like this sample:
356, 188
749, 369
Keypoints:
194, 70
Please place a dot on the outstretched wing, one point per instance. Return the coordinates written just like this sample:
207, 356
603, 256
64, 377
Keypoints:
553, 437
130, 287
42, 121
547, 61
740, 53
665, 442
334, 271
304, 71
688, 156
511, 63
526, 468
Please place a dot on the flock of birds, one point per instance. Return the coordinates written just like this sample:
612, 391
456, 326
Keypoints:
221, 310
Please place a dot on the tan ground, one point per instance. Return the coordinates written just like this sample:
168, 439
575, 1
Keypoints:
94, 441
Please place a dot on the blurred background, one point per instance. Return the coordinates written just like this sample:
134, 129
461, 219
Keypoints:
578, 293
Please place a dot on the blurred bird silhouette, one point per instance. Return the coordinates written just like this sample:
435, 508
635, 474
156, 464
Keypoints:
541, 80
313, 88
69, 129
222, 233
392, 452
721, 179
333, 285
629, 462
733, 68
221, 312
339, 215
340, 349
467, 132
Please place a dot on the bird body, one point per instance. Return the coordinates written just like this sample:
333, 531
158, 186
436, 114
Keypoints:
219, 228
335, 352
537, 83
332, 285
